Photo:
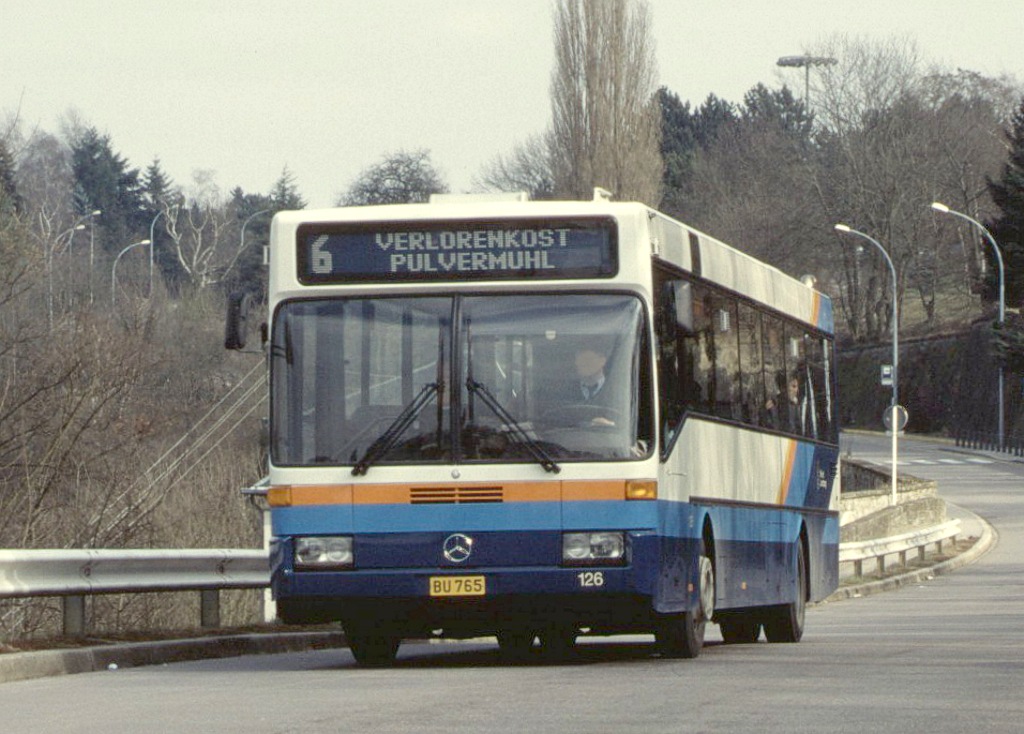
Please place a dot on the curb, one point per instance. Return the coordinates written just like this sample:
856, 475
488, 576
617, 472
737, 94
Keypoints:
45, 663
982, 546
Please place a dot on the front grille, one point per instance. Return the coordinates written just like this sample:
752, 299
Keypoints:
455, 495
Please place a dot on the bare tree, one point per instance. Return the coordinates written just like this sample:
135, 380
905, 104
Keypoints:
605, 122
884, 145
969, 110
528, 168
405, 177
203, 232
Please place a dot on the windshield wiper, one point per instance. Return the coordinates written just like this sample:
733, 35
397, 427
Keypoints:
518, 432
387, 440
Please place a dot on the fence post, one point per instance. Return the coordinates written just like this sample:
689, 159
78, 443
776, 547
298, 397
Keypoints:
209, 608
73, 615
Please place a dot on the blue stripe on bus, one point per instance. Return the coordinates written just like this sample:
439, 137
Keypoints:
671, 519
812, 480
803, 465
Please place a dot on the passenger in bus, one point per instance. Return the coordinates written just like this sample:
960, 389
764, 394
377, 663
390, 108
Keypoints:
786, 410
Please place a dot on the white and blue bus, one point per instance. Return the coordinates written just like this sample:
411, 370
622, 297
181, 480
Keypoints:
439, 465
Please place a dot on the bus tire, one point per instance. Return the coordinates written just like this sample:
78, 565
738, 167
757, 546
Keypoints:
739, 628
682, 635
372, 648
786, 623
515, 645
558, 643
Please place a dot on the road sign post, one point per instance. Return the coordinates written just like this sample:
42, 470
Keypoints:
895, 420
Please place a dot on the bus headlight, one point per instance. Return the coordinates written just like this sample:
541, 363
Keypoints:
323, 552
594, 548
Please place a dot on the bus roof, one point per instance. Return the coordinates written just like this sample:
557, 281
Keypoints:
670, 240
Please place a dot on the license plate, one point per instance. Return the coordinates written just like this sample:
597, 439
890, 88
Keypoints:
458, 585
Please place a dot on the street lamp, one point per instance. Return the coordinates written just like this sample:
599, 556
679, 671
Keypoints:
152, 245
79, 225
894, 424
70, 234
92, 245
113, 269
939, 207
806, 61
241, 243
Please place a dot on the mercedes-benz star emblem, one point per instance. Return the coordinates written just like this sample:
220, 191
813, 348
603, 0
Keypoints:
457, 547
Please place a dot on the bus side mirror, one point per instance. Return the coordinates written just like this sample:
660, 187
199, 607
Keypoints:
236, 327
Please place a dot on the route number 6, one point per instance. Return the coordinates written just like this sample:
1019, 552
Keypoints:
323, 262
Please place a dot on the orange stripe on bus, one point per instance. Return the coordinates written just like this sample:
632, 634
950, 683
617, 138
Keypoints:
311, 494
447, 493
576, 491
787, 473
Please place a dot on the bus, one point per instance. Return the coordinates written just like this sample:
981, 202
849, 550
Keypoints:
438, 466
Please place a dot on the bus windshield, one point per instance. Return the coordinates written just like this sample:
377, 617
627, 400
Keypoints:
476, 378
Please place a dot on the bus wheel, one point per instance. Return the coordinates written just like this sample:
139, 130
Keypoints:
558, 643
372, 648
515, 645
739, 628
682, 635
786, 623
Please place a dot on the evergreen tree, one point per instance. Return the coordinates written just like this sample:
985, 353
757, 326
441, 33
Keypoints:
286, 193
778, 109
678, 141
159, 192
713, 117
156, 186
1008, 228
685, 133
104, 181
253, 213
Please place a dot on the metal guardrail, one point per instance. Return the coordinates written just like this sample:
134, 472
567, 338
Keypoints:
74, 574
988, 441
901, 545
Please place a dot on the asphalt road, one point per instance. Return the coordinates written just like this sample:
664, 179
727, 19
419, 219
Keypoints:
943, 655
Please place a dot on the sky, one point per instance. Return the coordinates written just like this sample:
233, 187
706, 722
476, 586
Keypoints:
327, 88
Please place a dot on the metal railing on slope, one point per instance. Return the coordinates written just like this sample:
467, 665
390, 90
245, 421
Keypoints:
75, 574
878, 549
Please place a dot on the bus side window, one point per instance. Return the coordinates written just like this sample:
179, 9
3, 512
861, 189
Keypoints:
685, 358
818, 375
726, 401
701, 378
754, 396
670, 356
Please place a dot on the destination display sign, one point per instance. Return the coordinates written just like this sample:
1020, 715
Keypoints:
571, 248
